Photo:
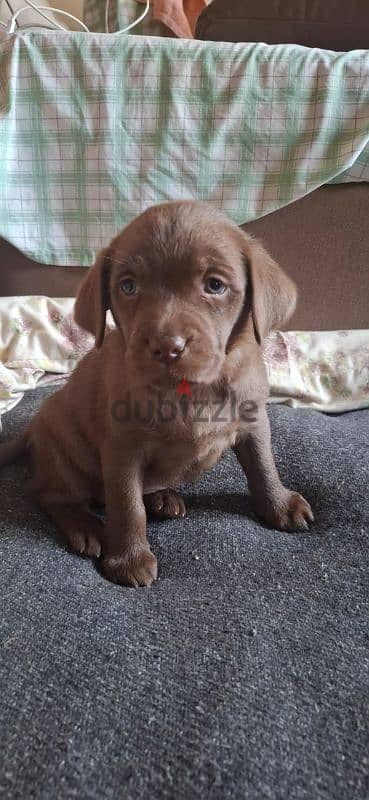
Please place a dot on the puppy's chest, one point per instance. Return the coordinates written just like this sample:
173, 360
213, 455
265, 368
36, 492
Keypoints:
187, 451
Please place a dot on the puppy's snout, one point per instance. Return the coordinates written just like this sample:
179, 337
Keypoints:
167, 348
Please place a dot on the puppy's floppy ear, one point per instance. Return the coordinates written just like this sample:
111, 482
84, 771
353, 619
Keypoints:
93, 299
273, 293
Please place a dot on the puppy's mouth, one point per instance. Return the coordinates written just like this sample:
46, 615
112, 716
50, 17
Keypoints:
197, 369
204, 370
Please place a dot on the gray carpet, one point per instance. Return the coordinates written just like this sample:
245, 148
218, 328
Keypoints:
243, 673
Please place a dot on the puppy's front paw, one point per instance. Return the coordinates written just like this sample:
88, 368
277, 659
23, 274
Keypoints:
83, 543
165, 505
289, 513
84, 534
135, 567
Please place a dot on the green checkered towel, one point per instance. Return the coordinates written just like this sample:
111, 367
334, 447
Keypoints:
95, 128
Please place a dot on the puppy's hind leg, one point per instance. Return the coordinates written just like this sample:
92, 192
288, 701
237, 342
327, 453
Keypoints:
166, 504
82, 530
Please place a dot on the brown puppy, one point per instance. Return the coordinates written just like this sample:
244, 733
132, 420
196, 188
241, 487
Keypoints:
159, 398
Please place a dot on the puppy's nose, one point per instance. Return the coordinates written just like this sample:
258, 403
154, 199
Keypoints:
167, 348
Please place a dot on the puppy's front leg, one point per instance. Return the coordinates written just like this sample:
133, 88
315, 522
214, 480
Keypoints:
127, 558
278, 506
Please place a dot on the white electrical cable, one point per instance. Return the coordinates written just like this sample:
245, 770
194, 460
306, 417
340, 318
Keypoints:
132, 24
9, 7
11, 25
66, 14
14, 19
40, 10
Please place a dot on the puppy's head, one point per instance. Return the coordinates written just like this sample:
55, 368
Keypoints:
185, 286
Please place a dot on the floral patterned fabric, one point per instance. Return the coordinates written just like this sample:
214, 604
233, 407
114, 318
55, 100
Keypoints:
325, 370
40, 343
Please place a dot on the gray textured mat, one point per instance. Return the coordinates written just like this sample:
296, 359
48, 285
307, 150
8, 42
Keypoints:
243, 673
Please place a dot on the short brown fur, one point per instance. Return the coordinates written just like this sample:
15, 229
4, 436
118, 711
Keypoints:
170, 329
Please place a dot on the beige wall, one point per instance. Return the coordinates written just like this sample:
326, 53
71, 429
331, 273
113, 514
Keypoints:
73, 6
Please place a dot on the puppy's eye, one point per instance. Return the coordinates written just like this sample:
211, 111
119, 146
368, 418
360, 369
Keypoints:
214, 286
128, 286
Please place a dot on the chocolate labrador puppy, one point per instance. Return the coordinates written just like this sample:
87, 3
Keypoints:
159, 398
